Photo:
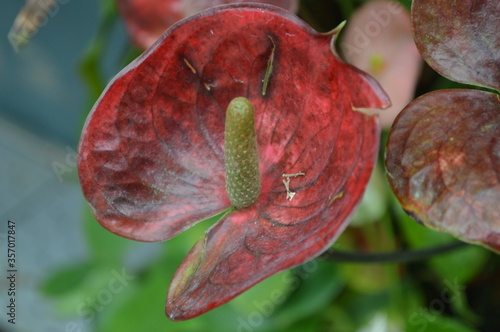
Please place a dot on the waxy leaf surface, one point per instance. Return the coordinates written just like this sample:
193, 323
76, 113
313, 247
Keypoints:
146, 20
443, 163
460, 39
151, 156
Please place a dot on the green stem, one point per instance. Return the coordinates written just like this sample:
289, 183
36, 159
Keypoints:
402, 256
90, 70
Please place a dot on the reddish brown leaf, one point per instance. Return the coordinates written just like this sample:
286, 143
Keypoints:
460, 39
151, 154
443, 163
146, 20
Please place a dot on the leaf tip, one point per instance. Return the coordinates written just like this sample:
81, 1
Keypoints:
334, 34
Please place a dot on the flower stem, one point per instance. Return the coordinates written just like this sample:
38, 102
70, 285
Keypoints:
402, 256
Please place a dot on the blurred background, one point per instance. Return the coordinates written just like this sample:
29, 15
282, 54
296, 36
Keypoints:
75, 276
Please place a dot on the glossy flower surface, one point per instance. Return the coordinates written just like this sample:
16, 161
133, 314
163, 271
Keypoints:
151, 156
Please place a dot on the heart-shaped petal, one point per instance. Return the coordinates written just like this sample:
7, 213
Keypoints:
151, 157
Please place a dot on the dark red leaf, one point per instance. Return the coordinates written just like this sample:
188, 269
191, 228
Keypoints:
460, 39
151, 154
146, 20
443, 163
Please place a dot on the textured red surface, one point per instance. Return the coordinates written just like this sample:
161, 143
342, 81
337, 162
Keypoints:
460, 39
146, 20
151, 153
443, 163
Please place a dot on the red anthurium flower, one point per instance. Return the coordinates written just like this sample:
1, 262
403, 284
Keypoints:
146, 20
153, 157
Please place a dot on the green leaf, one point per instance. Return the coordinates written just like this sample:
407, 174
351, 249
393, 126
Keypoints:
449, 266
266, 296
425, 320
142, 309
67, 279
316, 284
374, 203
104, 246
312, 324
98, 288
